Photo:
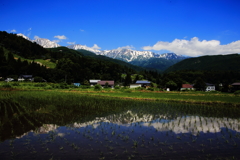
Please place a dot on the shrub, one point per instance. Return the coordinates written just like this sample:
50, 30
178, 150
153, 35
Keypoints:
7, 85
140, 88
16, 84
97, 87
150, 89
128, 91
116, 87
237, 93
48, 87
64, 85
38, 79
40, 85
84, 86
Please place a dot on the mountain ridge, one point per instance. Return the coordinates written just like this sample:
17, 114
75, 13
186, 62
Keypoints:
121, 53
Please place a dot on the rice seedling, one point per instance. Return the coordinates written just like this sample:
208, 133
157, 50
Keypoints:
126, 130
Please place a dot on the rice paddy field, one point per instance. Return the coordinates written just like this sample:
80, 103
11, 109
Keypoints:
57, 124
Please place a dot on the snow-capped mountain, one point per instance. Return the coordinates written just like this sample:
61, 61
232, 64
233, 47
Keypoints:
128, 55
124, 54
46, 43
171, 56
22, 35
78, 47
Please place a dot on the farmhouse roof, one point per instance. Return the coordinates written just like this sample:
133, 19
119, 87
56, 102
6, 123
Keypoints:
236, 84
94, 80
26, 76
187, 86
111, 83
143, 82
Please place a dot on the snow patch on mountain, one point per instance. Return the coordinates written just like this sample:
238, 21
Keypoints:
78, 47
128, 55
46, 43
22, 35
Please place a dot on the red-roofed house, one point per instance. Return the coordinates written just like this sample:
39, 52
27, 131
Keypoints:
187, 87
236, 86
103, 83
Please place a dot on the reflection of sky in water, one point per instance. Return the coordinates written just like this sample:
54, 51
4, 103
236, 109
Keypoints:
156, 135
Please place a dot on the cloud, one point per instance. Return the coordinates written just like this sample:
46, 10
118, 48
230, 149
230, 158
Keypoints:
56, 41
60, 37
29, 29
126, 47
95, 46
81, 30
194, 47
13, 30
70, 42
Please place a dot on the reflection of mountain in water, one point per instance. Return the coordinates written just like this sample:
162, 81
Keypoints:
185, 124
161, 122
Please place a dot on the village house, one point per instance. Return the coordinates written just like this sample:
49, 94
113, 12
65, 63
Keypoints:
210, 87
9, 79
25, 77
187, 87
77, 84
94, 81
235, 86
144, 84
106, 82
135, 85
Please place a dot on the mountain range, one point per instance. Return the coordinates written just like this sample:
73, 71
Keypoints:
139, 58
61, 64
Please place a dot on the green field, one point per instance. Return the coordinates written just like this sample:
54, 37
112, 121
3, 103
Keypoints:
190, 97
164, 96
46, 62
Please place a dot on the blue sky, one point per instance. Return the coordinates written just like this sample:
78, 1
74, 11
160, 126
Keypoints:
189, 27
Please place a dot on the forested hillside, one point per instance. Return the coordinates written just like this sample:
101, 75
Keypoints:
20, 56
209, 63
71, 65
158, 64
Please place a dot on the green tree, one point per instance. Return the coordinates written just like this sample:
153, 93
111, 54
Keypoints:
199, 85
172, 85
128, 80
38, 79
106, 85
97, 87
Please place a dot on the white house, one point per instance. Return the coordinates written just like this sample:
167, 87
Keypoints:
9, 79
135, 85
25, 77
93, 81
210, 87
143, 83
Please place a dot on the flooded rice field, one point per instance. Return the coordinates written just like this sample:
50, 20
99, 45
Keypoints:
118, 130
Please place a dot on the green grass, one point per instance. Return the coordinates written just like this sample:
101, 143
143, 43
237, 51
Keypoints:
46, 62
190, 97
183, 97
